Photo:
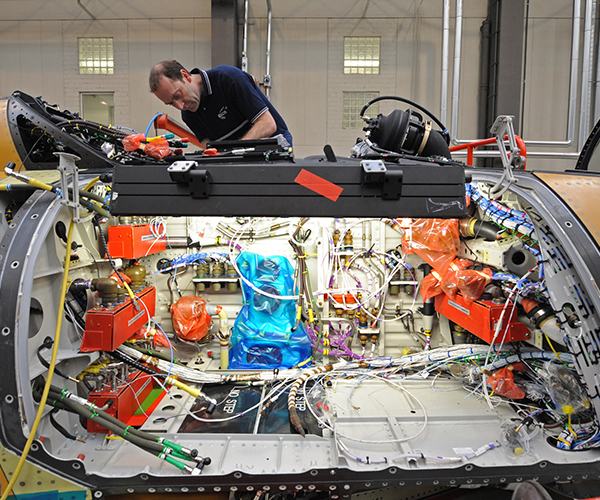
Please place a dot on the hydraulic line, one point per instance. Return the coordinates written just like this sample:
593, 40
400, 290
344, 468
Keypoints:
47, 344
107, 421
65, 400
159, 447
196, 393
9, 169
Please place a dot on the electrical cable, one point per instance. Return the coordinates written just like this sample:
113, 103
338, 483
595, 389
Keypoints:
60, 428
46, 390
151, 123
47, 344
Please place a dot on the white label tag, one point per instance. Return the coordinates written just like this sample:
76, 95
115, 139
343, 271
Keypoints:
463, 451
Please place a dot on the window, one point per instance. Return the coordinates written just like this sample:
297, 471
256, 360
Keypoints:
353, 103
96, 56
361, 55
99, 108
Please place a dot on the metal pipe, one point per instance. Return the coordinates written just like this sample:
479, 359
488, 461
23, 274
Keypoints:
530, 154
456, 69
86, 10
267, 77
572, 89
445, 57
573, 83
484, 63
586, 72
597, 90
245, 41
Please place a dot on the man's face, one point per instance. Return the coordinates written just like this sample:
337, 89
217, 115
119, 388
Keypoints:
181, 94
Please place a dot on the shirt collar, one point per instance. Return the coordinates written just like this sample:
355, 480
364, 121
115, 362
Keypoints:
206, 86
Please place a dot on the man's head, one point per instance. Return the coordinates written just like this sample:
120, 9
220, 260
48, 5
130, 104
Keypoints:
173, 85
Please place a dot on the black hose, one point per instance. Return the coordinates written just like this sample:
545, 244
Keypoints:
91, 196
137, 437
136, 364
59, 427
17, 187
154, 354
486, 230
412, 103
47, 344
64, 402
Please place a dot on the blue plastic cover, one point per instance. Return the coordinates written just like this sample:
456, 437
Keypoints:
262, 334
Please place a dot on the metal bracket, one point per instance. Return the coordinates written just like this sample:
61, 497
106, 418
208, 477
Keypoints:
198, 180
503, 126
66, 167
375, 172
392, 185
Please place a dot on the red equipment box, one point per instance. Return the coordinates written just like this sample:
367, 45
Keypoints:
106, 328
132, 241
481, 318
126, 401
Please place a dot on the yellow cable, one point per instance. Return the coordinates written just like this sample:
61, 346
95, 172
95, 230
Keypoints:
129, 291
552, 347
184, 387
42, 405
570, 426
91, 183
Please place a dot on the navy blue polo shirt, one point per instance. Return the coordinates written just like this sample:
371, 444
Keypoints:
230, 104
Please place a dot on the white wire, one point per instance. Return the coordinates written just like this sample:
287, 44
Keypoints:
232, 246
350, 438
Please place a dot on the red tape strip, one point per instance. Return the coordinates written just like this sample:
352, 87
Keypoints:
318, 185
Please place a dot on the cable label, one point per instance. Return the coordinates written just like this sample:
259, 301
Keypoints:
136, 317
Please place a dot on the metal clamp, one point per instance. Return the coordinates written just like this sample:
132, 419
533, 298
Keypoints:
198, 180
503, 126
375, 172
66, 167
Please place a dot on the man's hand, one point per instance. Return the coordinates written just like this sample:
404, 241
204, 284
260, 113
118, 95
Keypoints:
263, 127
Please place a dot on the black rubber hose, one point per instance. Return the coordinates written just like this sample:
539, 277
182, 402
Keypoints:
154, 354
17, 187
47, 344
59, 427
412, 103
137, 365
127, 434
101, 416
486, 230
91, 196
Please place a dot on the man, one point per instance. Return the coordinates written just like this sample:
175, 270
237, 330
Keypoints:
223, 103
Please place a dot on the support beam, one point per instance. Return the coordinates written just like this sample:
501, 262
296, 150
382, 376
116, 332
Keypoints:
507, 19
224, 29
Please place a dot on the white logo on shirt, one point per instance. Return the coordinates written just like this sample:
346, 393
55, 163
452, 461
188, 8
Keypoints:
223, 113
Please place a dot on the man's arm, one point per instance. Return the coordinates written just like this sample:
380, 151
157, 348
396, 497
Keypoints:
264, 127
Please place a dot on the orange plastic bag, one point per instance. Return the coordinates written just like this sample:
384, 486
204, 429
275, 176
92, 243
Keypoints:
191, 322
502, 382
471, 283
436, 241
449, 283
431, 285
158, 338
133, 142
158, 148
